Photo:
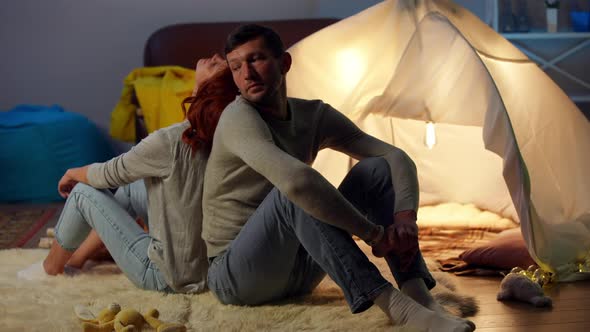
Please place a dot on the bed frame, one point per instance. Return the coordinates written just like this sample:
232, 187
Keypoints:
184, 44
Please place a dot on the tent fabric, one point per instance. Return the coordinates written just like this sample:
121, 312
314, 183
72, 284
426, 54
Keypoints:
39, 143
508, 139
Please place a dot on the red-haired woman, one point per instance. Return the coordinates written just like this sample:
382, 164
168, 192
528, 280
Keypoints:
169, 165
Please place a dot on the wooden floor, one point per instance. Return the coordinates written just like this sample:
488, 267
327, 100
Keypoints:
570, 312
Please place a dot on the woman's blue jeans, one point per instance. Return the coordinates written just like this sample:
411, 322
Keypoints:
113, 218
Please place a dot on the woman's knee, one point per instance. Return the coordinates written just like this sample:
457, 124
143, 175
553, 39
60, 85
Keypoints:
132, 190
82, 188
123, 193
82, 193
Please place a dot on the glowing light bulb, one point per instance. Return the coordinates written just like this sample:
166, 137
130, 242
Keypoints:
430, 135
351, 66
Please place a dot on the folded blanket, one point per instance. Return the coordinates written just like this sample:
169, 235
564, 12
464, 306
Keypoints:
159, 92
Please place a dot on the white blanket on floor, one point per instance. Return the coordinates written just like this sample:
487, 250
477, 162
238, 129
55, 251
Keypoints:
457, 215
48, 305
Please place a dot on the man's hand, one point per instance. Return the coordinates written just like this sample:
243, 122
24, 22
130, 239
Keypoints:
400, 239
405, 230
405, 237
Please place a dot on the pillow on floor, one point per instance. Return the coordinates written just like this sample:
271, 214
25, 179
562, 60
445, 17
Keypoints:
38, 144
506, 251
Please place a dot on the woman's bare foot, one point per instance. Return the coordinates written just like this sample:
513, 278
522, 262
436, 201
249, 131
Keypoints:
92, 248
56, 259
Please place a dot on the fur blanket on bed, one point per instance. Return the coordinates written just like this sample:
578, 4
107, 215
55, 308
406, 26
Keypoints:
48, 305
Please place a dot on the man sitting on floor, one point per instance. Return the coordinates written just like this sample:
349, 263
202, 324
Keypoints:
274, 226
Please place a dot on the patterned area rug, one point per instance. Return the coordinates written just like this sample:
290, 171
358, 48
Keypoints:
17, 226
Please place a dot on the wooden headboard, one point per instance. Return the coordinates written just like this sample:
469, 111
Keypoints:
184, 44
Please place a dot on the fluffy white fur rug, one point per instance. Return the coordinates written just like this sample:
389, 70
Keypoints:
48, 305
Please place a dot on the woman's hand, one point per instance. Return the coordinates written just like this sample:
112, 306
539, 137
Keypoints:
207, 68
69, 180
66, 184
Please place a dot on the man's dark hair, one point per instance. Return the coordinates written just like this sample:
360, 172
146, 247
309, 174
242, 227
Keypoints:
248, 32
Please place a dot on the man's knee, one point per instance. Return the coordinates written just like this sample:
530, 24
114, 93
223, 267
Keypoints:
374, 166
370, 174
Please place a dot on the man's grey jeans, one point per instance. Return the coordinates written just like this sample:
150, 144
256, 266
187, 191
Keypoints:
282, 251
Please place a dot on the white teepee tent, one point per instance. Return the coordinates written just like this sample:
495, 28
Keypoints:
507, 138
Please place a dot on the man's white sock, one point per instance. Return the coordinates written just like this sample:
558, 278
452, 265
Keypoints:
402, 310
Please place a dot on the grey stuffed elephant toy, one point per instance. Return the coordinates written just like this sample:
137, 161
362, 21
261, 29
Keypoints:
516, 285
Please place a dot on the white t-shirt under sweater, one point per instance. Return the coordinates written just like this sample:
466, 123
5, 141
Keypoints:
252, 153
173, 177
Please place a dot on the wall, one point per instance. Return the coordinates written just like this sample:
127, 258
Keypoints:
536, 11
76, 53
345, 8
577, 63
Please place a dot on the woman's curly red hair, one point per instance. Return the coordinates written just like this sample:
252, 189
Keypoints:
205, 109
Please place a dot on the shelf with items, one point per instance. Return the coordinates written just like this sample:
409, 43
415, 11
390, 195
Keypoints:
546, 35
568, 59
564, 55
534, 16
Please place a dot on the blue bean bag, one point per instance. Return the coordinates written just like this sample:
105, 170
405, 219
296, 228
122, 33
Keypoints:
38, 144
